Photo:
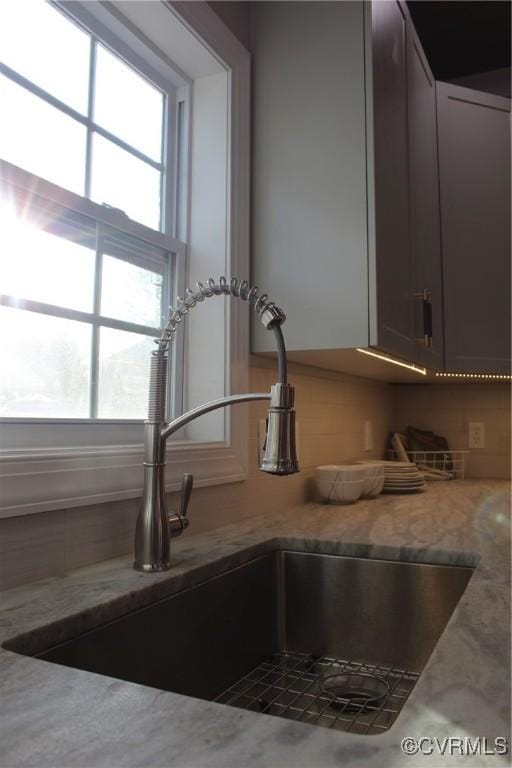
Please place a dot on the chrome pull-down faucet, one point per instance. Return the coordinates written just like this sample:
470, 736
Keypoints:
155, 526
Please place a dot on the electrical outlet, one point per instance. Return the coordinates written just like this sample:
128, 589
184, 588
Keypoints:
476, 434
368, 436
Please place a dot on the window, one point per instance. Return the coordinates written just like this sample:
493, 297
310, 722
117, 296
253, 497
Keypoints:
105, 218
86, 298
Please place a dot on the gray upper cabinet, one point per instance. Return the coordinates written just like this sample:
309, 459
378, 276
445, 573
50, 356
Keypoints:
474, 163
425, 245
346, 233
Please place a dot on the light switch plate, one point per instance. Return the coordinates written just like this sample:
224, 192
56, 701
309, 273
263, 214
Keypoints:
368, 436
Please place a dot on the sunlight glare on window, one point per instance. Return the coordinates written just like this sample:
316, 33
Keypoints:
40, 266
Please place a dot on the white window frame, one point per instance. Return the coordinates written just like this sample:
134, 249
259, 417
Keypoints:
102, 466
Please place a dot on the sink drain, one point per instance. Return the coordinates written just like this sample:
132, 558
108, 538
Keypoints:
354, 689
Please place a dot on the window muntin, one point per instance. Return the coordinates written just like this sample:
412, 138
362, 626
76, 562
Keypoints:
53, 134
58, 342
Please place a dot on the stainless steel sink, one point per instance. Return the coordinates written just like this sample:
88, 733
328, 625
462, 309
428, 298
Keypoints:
264, 635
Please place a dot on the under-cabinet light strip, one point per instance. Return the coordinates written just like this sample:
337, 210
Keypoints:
502, 376
409, 366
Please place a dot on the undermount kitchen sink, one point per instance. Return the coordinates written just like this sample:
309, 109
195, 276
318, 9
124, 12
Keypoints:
268, 634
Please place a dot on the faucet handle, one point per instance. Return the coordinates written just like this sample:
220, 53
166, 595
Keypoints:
186, 490
180, 522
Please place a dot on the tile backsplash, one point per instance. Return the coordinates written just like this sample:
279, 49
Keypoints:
448, 409
331, 411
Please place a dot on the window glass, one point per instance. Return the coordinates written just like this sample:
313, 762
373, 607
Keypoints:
123, 181
123, 380
47, 48
38, 265
131, 293
41, 139
47, 374
58, 255
127, 105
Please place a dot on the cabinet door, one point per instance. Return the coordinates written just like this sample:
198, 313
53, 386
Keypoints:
424, 205
394, 301
309, 195
474, 169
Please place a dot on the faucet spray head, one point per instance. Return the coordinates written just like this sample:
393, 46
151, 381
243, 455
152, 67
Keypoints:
280, 456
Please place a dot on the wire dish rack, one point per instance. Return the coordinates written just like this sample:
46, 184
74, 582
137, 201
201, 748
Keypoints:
437, 465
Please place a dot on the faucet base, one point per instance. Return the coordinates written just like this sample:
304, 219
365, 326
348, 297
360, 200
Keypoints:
151, 567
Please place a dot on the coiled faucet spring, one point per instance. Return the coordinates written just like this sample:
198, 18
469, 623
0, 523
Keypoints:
267, 310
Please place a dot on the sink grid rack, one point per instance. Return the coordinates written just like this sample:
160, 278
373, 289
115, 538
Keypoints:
288, 685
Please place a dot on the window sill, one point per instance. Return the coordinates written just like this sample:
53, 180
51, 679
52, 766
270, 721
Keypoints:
41, 480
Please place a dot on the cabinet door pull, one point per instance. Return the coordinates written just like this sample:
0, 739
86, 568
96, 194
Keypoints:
428, 319
426, 314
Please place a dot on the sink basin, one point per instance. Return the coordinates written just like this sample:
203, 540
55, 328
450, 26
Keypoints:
265, 636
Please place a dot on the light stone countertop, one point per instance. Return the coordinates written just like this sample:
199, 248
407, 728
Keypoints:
57, 717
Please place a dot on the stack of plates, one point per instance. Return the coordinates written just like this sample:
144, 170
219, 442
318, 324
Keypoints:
402, 477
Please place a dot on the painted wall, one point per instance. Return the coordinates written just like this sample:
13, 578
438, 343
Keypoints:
494, 81
236, 16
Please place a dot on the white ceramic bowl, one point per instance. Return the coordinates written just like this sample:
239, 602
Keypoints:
373, 485
336, 473
342, 491
374, 481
